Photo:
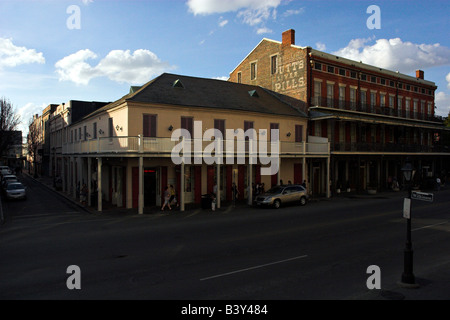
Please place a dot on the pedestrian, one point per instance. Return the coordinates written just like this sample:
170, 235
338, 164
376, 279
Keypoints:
172, 194
83, 194
235, 192
166, 199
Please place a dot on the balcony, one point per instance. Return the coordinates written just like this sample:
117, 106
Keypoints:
373, 109
388, 148
164, 146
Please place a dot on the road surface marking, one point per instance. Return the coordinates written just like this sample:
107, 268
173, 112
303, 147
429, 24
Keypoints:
252, 268
430, 226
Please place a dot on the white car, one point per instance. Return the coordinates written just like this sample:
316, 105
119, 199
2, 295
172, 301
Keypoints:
15, 190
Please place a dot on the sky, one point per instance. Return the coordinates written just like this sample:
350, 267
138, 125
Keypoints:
53, 51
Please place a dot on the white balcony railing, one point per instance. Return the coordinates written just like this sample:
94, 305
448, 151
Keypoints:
130, 145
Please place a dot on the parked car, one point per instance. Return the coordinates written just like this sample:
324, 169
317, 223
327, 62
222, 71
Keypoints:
15, 190
4, 170
284, 194
6, 178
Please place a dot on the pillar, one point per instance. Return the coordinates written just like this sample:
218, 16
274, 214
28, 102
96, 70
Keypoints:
141, 186
89, 181
99, 184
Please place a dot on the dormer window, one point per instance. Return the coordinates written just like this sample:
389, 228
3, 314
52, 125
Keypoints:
178, 84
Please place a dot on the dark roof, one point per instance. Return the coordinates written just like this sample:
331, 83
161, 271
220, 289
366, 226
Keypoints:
173, 89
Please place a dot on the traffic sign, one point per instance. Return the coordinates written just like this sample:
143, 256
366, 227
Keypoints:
416, 195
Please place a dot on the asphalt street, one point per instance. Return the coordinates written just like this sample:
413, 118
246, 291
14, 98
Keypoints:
320, 251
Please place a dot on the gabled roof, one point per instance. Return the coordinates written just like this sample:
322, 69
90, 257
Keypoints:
173, 89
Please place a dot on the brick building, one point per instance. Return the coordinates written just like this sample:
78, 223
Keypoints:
373, 118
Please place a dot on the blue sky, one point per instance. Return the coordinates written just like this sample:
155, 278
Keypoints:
54, 51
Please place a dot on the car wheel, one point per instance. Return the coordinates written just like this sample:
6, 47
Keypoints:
277, 204
302, 201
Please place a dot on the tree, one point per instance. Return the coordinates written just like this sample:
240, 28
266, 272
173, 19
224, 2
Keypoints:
9, 122
447, 120
34, 140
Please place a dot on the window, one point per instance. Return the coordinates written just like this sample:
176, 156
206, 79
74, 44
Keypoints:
353, 74
382, 100
383, 81
423, 90
330, 69
188, 124
79, 134
274, 126
85, 133
391, 102
353, 98
364, 100
399, 106
94, 130
248, 125
71, 136
400, 86
408, 107
341, 97
416, 89
363, 77
298, 133
391, 83
318, 66
373, 101
273, 64
219, 124
149, 125
342, 72
330, 95
317, 92
239, 77
373, 79
408, 87
317, 129
253, 71
415, 107
110, 127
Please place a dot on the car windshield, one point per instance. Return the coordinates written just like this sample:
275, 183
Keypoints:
15, 186
275, 190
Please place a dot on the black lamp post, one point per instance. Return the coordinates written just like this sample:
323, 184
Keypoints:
408, 276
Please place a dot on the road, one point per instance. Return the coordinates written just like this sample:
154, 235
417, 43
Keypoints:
320, 251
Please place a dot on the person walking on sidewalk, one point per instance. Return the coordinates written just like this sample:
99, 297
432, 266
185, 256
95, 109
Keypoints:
166, 199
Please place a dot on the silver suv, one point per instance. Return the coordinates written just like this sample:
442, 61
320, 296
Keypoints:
293, 193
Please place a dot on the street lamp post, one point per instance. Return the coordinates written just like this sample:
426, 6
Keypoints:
408, 275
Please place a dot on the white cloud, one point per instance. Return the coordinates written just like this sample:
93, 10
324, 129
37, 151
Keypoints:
12, 55
263, 30
252, 12
288, 13
447, 78
394, 54
442, 104
222, 22
119, 65
86, 2
26, 112
224, 78
321, 46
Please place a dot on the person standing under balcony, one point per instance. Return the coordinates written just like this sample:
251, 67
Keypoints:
166, 199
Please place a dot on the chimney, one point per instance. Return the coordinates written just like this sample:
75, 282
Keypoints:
288, 38
419, 74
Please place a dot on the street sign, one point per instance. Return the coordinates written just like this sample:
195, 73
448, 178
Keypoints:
416, 195
407, 208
